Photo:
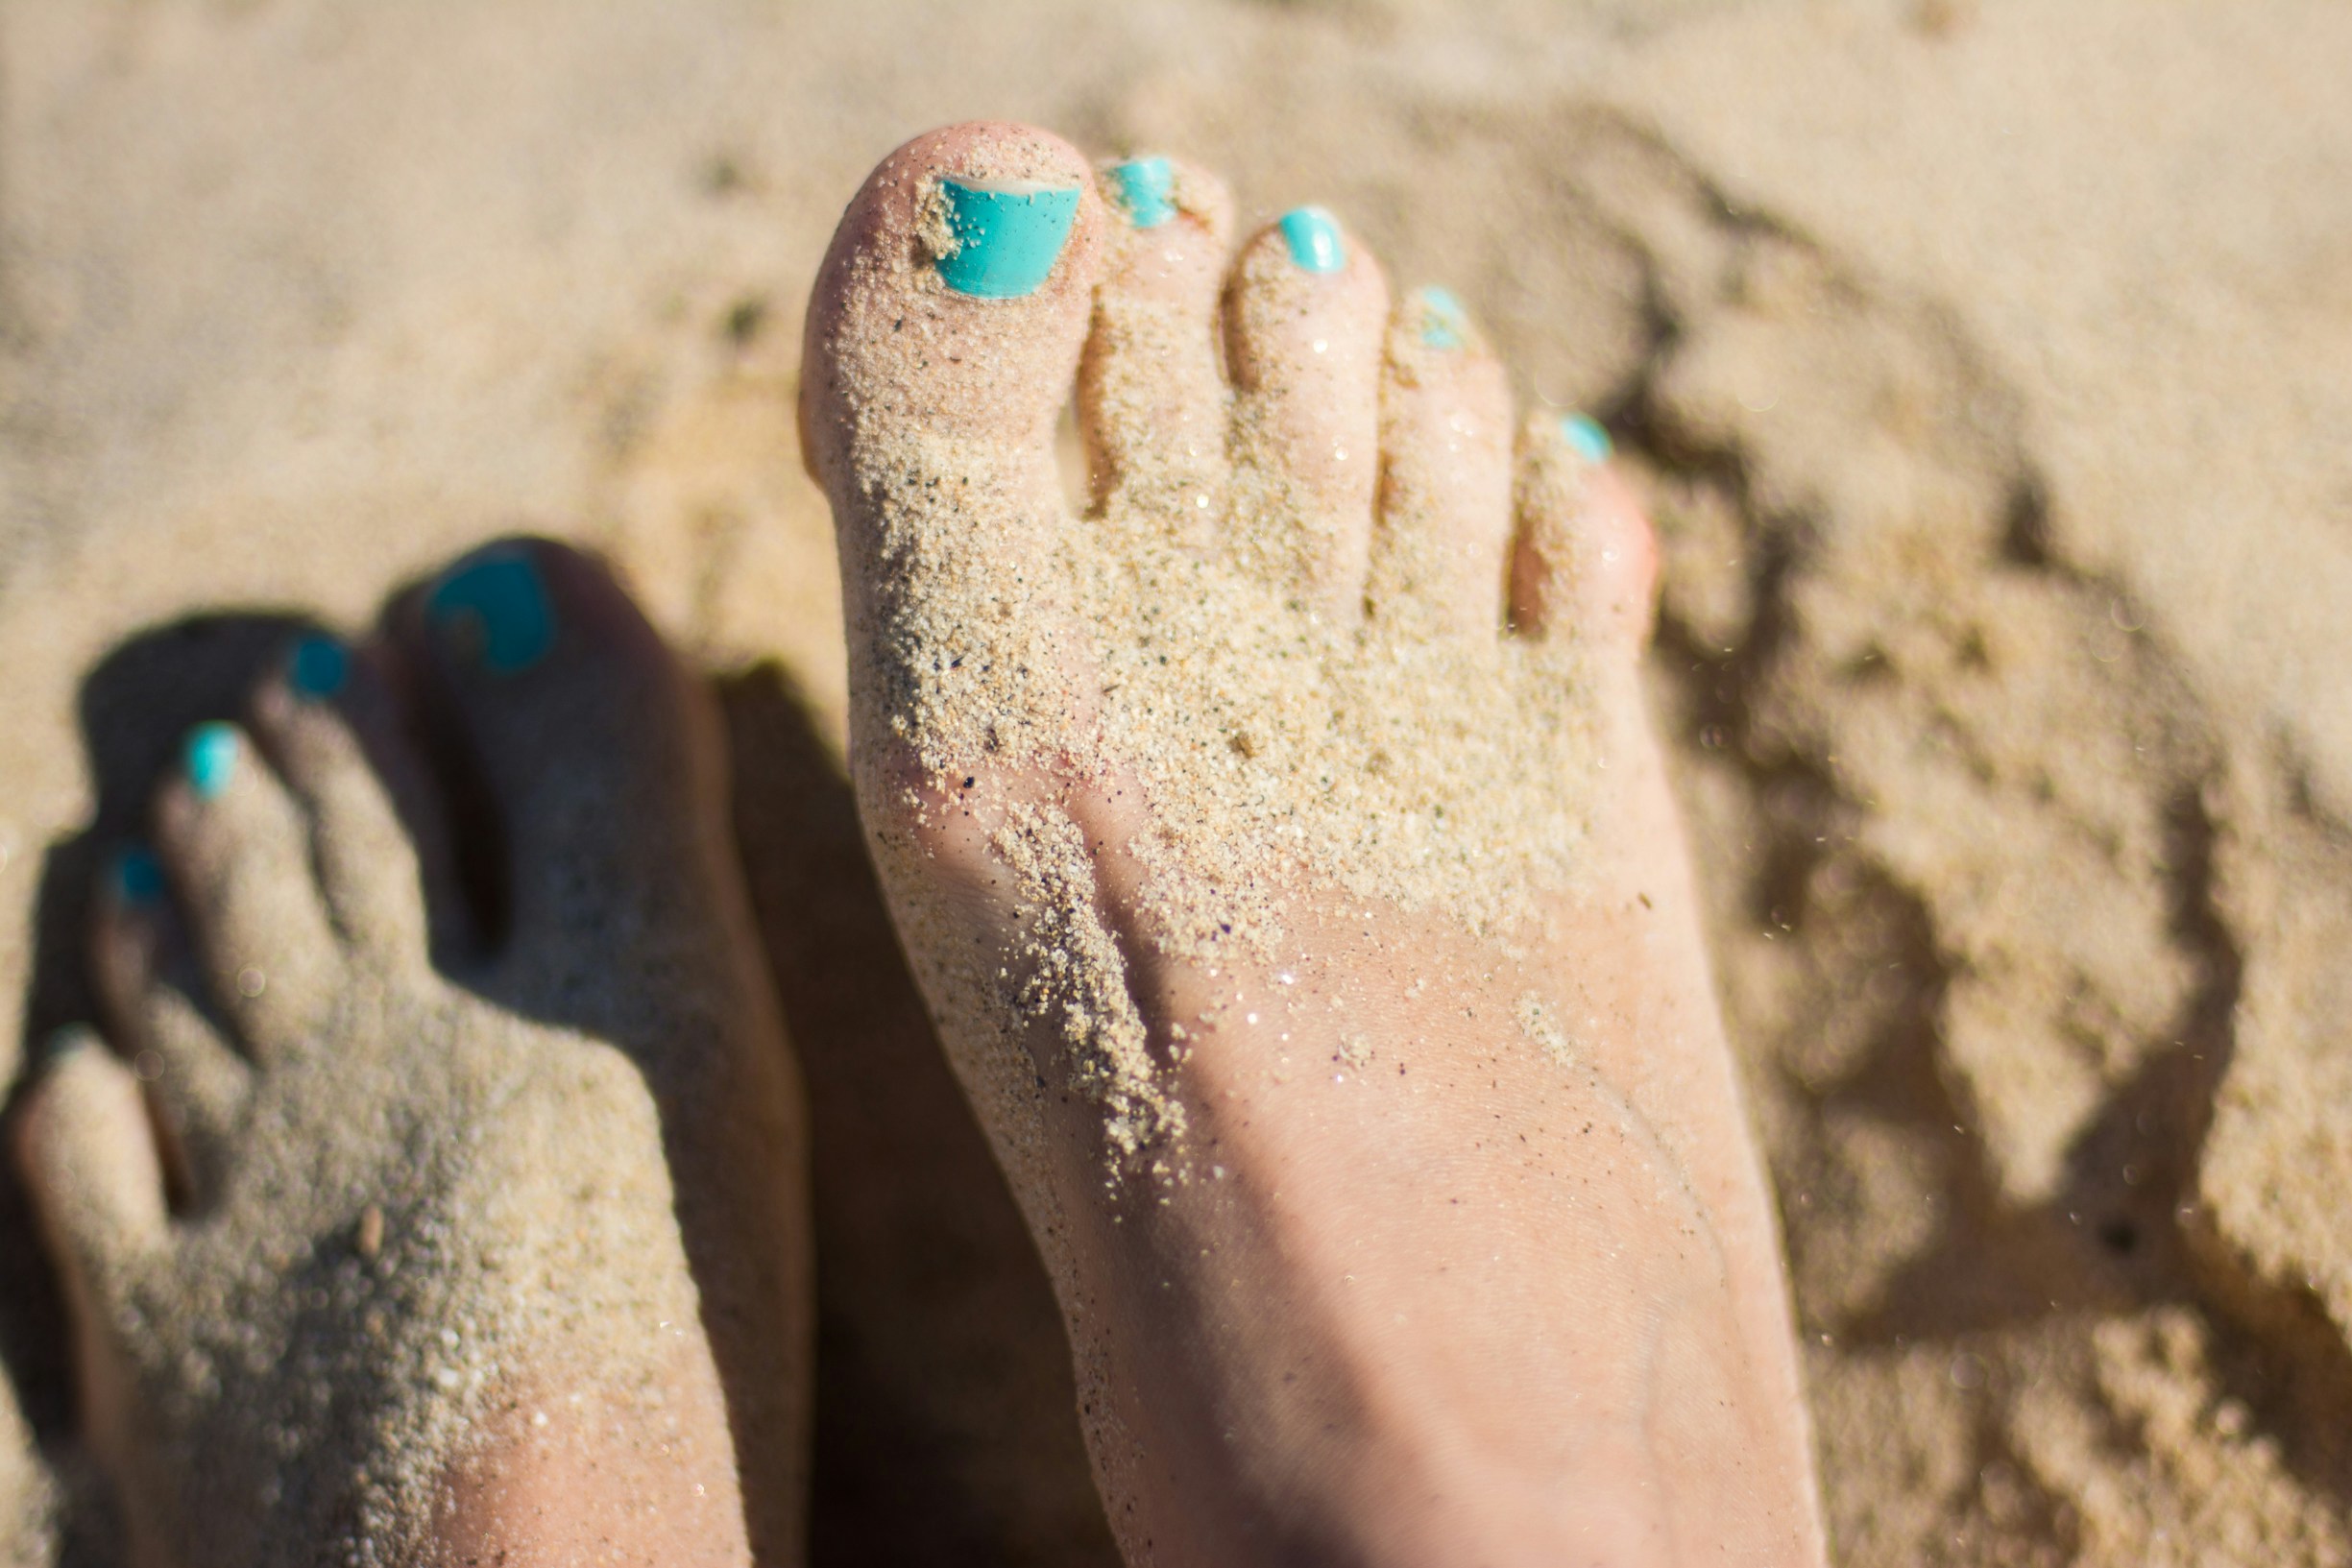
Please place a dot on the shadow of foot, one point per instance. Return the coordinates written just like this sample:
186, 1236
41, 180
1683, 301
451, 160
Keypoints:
946, 1424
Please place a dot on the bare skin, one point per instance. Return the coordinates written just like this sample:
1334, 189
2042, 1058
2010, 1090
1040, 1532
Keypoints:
1362, 1261
501, 1258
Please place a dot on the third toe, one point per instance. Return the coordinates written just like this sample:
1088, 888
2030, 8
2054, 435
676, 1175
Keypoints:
238, 852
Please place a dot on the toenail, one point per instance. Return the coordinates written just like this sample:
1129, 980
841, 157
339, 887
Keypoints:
1314, 239
137, 877
1585, 438
496, 613
70, 1041
1002, 240
210, 759
1145, 190
1445, 324
317, 667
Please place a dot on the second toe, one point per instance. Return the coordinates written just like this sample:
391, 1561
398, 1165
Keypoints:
1305, 308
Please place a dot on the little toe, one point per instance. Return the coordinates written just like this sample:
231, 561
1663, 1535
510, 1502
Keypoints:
1585, 562
1152, 398
238, 852
146, 977
594, 756
327, 721
1443, 540
1304, 314
90, 1164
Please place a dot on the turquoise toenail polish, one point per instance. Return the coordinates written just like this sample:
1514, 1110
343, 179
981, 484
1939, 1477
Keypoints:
210, 759
1445, 324
68, 1042
1585, 438
137, 877
318, 668
1314, 239
497, 612
1008, 238
1146, 188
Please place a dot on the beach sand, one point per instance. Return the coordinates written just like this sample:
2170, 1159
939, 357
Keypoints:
1984, 363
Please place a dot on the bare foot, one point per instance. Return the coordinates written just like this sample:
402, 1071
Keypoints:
1283, 851
369, 1265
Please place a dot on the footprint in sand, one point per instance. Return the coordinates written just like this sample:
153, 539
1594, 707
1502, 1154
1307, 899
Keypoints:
507, 1257
1282, 848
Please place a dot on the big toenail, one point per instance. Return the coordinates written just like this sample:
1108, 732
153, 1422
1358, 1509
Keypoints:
317, 667
137, 877
1585, 438
496, 613
1145, 190
210, 759
1001, 240
1445, 324
1314, 239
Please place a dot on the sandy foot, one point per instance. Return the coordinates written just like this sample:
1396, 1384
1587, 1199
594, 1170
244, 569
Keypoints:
1282, 848
500, 1258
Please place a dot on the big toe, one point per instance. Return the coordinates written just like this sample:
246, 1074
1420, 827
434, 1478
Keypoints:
587, 772
583, 766
952, 303
944, 337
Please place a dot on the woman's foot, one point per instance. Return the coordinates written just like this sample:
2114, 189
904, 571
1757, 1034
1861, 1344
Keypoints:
1319, 948
368, 1264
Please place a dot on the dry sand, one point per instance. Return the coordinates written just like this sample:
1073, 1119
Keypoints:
1987, 364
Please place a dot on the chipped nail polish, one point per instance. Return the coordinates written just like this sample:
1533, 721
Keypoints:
210, 759
1003, 240
1445, 324
317, 667
1585, 438
137, 876
1145, 189
1314, 239
495, 611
